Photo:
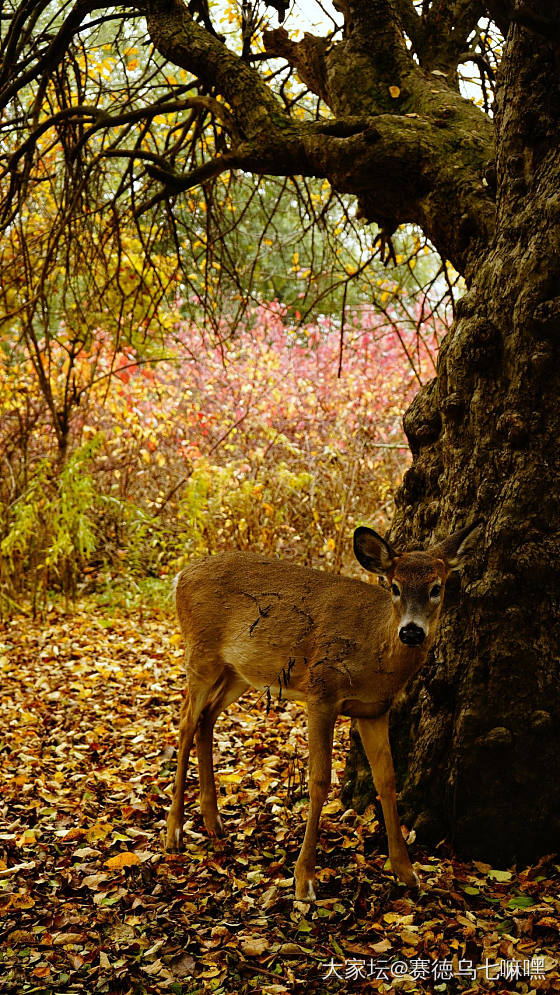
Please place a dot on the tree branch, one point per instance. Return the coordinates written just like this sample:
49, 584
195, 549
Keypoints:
185, 43
48, 59
307, 57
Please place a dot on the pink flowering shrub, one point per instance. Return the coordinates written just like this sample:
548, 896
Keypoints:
276, 439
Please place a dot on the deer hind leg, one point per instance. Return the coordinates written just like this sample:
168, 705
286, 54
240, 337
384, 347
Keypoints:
231, 687
320, 738
199, 687
375, 737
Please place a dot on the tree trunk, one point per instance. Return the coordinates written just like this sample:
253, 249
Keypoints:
477, 737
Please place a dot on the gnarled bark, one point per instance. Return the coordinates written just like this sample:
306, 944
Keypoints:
478, 734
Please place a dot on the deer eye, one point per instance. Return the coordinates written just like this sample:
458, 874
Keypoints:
396, 591
436, 591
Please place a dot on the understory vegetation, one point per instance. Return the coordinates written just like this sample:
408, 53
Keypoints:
280, 439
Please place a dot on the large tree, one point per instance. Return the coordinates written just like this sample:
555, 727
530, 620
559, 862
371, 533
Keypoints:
384, 119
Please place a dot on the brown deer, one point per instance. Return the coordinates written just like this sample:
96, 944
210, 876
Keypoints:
343, 646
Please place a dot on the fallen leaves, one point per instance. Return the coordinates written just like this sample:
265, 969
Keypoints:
123, 859
253, 946
90, 903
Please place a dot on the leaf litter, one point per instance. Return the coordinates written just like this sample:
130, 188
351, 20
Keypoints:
90, 902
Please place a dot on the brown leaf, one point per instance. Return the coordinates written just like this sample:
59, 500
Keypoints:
154, 968
254, 946
291, 948
381, 947
93, 881
18, 936
62, 938
184, 967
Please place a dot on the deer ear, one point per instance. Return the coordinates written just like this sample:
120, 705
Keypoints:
372, 552
457, 547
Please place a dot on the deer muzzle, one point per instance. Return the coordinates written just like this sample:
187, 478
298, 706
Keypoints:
412, 634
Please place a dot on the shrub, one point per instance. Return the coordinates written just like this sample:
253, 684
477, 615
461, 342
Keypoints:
259, 442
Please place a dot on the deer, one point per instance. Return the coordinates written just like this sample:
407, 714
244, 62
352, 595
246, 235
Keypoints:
343, 646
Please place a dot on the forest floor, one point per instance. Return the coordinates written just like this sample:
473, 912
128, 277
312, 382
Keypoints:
90, 902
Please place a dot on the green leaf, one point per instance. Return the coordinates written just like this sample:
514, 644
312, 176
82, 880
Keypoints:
111, 900
304, 926
499, 875
520, 902
469, 890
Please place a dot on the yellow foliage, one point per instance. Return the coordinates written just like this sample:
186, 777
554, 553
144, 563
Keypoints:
120, 860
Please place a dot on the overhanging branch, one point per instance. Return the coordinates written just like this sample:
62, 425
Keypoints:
185, 43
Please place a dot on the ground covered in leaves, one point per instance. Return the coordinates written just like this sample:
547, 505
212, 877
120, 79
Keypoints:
90, 903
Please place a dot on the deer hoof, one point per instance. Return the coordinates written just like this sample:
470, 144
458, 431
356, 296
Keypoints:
409, 878
215, 826
305, 891
174, 839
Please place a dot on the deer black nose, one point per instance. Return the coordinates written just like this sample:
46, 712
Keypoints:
412, 634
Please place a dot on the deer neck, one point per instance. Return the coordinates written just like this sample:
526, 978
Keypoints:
406, 660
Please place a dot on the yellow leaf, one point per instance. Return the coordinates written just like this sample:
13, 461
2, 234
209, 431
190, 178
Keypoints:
22, 901
99, 831
394, 917
124, 859
394, 91
27, 838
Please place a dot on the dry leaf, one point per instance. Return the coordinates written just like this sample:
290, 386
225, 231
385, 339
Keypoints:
381, 947
254, 946
124, 859
63, 938
93, 881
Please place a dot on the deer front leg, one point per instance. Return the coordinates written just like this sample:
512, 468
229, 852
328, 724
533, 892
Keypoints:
375, 737
320, 726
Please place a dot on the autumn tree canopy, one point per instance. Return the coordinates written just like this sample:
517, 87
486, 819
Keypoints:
372, 105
